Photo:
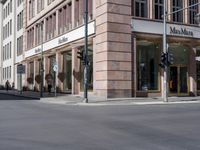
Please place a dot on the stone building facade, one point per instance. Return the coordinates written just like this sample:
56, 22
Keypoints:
125, 45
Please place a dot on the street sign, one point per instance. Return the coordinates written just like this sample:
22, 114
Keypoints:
55, 68
20, 69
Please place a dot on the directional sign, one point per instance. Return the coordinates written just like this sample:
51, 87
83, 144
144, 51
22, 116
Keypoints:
20, 69
55, 68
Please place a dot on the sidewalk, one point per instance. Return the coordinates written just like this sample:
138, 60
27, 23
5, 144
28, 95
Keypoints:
98, 101
68, 99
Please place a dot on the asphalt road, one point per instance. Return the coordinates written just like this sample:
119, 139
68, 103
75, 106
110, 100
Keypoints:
31, 125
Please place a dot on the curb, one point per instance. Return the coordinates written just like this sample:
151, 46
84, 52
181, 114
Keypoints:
118, 104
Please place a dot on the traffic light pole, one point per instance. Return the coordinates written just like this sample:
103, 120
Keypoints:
165, 49
86, 54
165, 89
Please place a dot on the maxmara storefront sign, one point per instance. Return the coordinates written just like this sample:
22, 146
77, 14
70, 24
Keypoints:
180, 31
61, 40
153, 27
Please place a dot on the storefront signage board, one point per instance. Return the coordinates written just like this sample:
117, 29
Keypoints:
180, 31
156, 27
61, 40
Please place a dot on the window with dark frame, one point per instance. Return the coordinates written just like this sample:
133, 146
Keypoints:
140, 8
193, 11
158, 9
177, 4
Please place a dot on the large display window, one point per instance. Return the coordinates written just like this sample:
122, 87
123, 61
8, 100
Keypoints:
67, 68
147, 66
178, 71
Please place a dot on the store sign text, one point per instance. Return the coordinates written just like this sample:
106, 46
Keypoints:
181, 31
37, 50
62, 40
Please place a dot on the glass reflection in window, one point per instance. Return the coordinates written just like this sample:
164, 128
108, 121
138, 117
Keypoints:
147, 66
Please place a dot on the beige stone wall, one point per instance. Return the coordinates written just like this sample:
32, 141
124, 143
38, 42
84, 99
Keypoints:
113, 68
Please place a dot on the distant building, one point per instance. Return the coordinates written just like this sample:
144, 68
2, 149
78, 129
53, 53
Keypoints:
11, 39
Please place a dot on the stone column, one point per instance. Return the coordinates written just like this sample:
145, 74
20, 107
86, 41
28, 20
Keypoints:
73, 14
192, 72
59, 63
150, 9
56, 32
169, 9
75, 72
185, 12
113, 49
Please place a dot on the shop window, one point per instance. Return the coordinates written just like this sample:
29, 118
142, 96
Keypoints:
30, 78
52, 74
67, 70
139, 8
147, 66
179, 53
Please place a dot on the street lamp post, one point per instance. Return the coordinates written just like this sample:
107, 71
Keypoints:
86, 54
165, 49
165, 89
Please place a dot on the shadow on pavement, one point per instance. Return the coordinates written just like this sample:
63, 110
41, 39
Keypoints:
4, 96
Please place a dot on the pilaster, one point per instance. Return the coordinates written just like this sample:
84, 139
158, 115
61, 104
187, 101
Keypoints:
113, 58
75, 72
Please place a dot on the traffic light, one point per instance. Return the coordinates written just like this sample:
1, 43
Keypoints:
163, 60
170, 58
80, 55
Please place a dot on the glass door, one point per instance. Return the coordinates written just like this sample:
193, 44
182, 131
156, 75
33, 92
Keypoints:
178, 80
173, 80
183, 84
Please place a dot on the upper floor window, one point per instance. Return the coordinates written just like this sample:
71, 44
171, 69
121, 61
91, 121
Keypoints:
39, 33
10, 5
158, 9
177, 4
193, 11
19, 45
40, 5
140, 8
20, 21
64, 18
31, 9
50, 28
50, 1
19, 2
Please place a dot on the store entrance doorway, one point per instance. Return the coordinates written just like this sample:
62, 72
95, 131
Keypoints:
178, 80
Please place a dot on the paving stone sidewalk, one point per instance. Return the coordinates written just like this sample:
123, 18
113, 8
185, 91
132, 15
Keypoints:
94, 100
69, 99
